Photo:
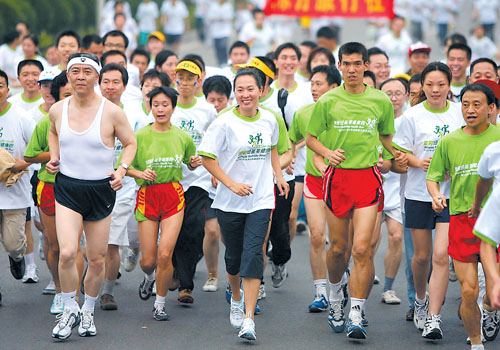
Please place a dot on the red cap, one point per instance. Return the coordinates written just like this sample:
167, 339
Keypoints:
419, 47
492, 85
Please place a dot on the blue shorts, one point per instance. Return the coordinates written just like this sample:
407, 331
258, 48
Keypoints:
420, 215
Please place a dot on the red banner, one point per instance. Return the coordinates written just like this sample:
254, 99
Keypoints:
331, 8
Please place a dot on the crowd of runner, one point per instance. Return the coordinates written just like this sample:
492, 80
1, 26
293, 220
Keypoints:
121, 155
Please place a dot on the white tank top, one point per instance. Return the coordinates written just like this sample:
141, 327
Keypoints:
83, 155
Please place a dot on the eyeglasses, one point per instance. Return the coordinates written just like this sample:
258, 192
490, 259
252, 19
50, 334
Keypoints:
397, 94
118, 46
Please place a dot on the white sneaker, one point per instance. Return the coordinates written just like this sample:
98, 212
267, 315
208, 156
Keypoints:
66, 321
420, 314
87, 326
262, 292
30, 274
490, 324
389, 297
432, 328
247, 330
57, 304
237, 312
50, 289
130, 260
210, 285
279, 275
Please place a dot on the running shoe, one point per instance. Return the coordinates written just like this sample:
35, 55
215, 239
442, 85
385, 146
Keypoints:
17, 268
262, 291
66, 321
50, 289
257, 308
319, 304
211, 285
453, 276
130, 261
159, 313
279, 275
87, 325
364, 320
389, 297
229, 293
57, 306
355, 328
247, 329
345, 288
432, 328
490, 324
237, 312
336, 317
145, 289
30, 274
108, 302
409, 314
420, 314
186, 296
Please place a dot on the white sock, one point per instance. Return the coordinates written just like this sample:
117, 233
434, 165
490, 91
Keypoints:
357, 305
336, 292
29, 259
150, 277
417, 300
89, 303
107, 286
160, 301
477, 347
70, 302
320, 287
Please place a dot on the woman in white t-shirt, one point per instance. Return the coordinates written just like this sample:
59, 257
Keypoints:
239, 150
420, 130
174, 15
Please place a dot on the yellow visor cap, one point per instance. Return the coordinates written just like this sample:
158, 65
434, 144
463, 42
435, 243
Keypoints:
256, 63
189, 66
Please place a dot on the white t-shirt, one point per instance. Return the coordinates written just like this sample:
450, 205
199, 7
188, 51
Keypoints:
147, 14
489, 164
487, 9
220, 19
176, 14
488, 223
397, 50
37, 113
392, 182
419, 133
242, 147
262, 38
8, 60
15, 133
132, 94
456, 90
483, 47
195, 120
20, 101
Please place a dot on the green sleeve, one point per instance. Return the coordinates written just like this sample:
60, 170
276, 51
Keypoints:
190, 150
39, 139
294, 132
318, 124
386, 125
439, 163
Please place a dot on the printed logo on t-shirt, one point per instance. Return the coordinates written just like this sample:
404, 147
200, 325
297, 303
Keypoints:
166, 162
8, 145
442, 130
466, 170
255, 140
187, 125
258, 150
439, 131
188, 128
1, 131
367, 125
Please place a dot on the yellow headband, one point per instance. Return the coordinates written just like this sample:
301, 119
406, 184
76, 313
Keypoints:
189, 66
256, 63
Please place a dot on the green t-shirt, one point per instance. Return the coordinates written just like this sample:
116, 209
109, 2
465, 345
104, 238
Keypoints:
163, 152
458, 154
39, 143
353, 123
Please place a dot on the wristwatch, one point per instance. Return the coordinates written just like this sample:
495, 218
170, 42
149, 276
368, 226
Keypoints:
124, 166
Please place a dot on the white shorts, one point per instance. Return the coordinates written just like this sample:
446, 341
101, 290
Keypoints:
394, 214
123, 210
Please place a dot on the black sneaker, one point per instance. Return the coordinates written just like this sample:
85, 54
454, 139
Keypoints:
409, 314
146, 289
17, 268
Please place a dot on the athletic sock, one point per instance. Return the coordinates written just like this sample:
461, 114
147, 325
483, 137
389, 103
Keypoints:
29, 259
419, 301
388, 283
89, 303
160, 301
357, 306
107, 286
336, 292
320, 287
70, 302
150, 277
477, 347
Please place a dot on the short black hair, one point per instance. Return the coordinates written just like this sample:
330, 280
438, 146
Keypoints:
4, 75
140, 52
401, 80
456, 38
69, 32
153, 74
196, 59
111, 67
309, 43
250, 72
217, 83
352, 48
484, 60
115, 33
163, 56
89, 39
239, 44
480, 87
319, 51
287, 46
372, 51
371, 75
414, 79
111, 53
332, 74
33, 38
327, 33
11, 36
171, 94
57, 83
460, 46
25, 63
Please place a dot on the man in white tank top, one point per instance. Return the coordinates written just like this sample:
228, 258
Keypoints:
81, 139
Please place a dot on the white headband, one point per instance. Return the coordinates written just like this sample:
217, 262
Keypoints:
84, 60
